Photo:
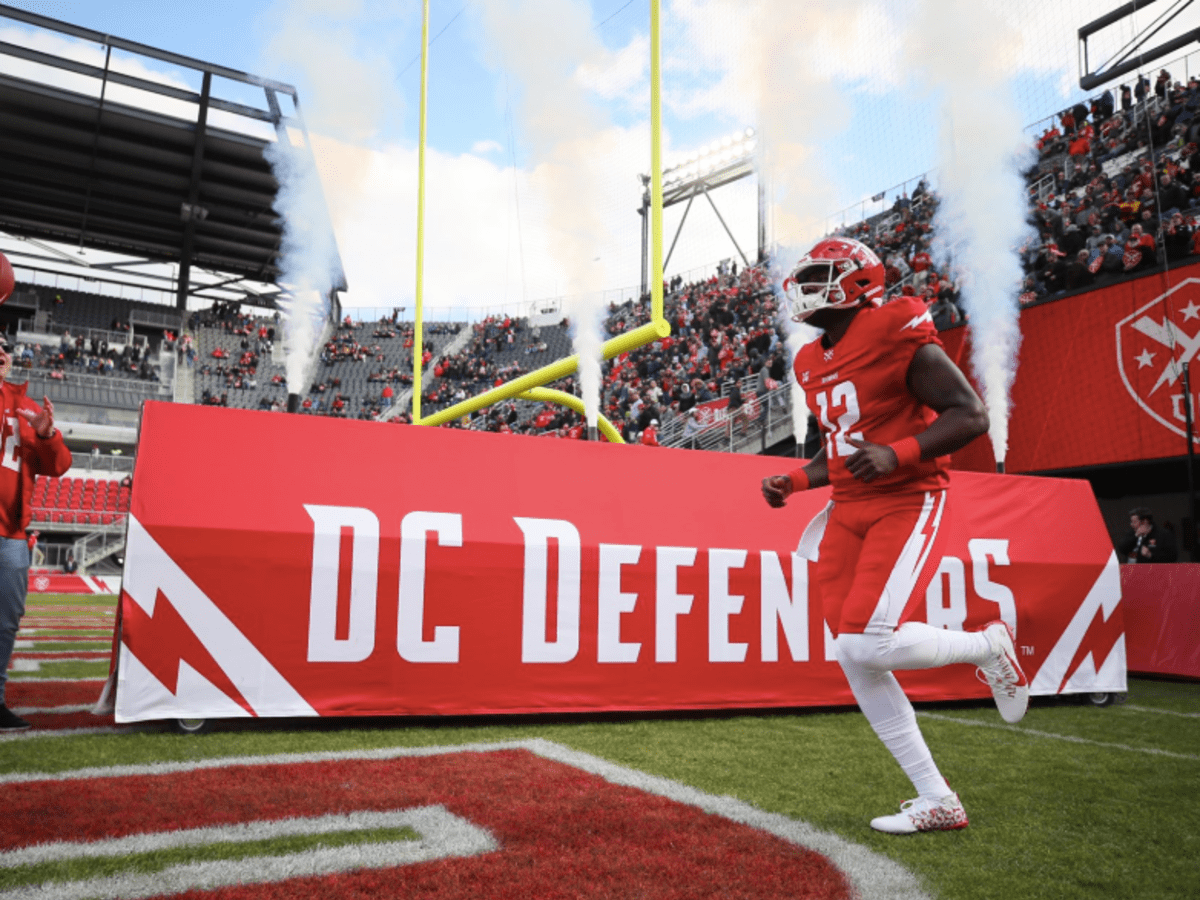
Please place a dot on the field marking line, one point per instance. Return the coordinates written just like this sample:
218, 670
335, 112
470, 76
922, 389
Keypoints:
419, 818
873, 875
52, 710
71, 732
1165, 712
1033, 732
443, 835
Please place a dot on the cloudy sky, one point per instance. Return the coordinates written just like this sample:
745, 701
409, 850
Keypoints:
538, 116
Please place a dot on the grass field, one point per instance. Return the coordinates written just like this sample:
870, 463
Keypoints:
1075, 802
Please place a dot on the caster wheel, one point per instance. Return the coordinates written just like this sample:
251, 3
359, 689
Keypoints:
191, 726
1100, 698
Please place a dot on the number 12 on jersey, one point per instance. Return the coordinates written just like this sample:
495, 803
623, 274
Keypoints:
845, 396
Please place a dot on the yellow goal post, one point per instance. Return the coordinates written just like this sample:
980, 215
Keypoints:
531, 386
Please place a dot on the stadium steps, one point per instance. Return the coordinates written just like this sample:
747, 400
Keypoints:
92, 548
185, 383
403, 399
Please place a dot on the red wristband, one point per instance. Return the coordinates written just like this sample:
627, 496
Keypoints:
907, 450
800, 480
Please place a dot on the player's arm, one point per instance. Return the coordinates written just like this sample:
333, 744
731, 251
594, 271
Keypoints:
936, 381
777, 488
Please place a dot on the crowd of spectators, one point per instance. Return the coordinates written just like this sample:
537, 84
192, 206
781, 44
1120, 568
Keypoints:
385, 376
1114, 190
85, 356
903, 240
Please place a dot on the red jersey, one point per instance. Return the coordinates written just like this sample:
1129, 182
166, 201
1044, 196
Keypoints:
858, 389
24, 455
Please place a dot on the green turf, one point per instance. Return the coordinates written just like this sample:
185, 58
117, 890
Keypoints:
80, 646
97, 633
65, 668
1110, 814
67, 600
156, 861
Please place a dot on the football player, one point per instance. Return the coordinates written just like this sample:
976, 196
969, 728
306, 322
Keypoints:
892, 407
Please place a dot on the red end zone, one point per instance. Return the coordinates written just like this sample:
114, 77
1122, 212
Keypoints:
558, 831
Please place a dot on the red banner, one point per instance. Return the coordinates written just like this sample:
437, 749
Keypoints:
385, 570
1163, 628
1099, 378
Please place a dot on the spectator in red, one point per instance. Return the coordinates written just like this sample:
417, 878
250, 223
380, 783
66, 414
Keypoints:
650, 435
37, 448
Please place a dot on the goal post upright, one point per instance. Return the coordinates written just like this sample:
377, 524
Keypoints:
656, 176
419, 315
533, 383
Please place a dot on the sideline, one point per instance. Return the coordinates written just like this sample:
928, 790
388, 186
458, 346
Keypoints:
1165, 712
1031, 732
34, 733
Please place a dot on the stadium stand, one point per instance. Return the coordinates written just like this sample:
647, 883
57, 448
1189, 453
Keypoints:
1112, 192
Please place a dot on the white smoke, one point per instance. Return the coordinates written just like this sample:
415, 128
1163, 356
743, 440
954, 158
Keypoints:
558, 65
309, 265
785, 75
349, 89
966, 52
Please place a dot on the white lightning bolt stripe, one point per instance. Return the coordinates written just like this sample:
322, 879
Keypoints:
917, 320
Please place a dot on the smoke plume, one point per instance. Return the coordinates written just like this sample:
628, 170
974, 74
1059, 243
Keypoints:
966, 53
796, 104
557, 62
308, 257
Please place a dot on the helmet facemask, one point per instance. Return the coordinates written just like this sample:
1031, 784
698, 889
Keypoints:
817, 284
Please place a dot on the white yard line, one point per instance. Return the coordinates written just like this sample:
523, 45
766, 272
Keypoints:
874, 876
69, 732
1165, 712
443, 835
1032, 732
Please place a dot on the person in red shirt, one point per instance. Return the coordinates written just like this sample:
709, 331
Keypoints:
892, 406
650, 435
30, 445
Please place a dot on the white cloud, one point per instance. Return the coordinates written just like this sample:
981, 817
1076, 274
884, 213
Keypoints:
482, 148
620, 75
349, 76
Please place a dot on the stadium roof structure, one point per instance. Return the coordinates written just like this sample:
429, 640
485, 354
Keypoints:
112, 154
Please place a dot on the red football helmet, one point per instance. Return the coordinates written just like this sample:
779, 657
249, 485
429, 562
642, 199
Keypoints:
837, 273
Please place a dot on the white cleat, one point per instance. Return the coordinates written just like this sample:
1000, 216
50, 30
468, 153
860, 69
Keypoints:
923, 814
1003, 674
